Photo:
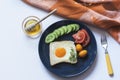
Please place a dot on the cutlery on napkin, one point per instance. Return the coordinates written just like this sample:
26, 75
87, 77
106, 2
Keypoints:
104, 14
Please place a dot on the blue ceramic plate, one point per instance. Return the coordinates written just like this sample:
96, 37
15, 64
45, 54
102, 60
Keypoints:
66, 69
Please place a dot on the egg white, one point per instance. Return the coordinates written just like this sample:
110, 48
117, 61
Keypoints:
67, 45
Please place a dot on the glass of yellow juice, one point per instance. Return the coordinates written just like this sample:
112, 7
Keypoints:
36, 30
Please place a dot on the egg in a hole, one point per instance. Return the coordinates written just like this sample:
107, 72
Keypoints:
62, 51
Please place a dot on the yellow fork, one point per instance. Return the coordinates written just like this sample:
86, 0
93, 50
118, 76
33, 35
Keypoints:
105, 45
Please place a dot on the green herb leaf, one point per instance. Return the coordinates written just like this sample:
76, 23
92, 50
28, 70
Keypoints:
73, 55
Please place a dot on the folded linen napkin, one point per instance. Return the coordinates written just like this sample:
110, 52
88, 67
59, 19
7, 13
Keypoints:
104, 14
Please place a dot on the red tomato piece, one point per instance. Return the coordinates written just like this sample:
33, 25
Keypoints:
82, 37
87, 40
79, 37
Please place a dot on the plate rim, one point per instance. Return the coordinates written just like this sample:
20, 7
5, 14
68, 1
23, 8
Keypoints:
90, 64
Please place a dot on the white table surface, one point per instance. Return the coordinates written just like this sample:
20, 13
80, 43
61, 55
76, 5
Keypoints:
19, 59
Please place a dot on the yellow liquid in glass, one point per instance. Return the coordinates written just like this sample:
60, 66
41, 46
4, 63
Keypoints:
35, 30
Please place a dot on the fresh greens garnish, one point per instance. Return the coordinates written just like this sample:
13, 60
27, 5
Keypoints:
73, 55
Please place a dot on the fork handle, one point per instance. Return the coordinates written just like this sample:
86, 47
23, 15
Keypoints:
109, 66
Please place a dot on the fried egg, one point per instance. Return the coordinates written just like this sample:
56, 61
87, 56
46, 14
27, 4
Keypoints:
62, 51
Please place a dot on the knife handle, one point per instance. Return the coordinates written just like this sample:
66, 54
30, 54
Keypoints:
109, 66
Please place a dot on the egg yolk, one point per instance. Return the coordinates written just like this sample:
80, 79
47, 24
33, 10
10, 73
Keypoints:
60, 52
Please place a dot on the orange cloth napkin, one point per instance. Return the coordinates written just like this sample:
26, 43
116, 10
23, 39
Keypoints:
104, 14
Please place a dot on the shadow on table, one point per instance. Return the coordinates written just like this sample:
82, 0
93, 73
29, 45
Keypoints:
81, 76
